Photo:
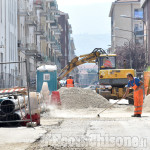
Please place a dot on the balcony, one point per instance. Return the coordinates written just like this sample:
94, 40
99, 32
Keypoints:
31, 49
39, 4
45, 13
22, 12
39, 30
31, 46
31, 20
43, 37
50, 19
21, 46
139, 33
58, 53
57, 32
58, 50
57, 14
22, 8
48, 1
53, 5
54, 25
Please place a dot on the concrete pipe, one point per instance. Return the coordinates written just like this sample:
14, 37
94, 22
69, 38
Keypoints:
2, 118
7, 106
13, 117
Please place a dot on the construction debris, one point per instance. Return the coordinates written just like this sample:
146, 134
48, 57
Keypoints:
79, 98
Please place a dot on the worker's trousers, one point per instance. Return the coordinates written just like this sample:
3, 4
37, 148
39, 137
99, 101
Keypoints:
138, 101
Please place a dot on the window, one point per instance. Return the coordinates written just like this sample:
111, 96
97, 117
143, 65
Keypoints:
19, 63
136, 27
138, 13
46, 77
108, 62
1, 61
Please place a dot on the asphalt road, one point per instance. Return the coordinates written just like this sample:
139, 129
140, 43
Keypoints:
82, 130
114, 130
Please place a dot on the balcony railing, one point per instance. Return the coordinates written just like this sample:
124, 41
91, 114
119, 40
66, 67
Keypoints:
48, 1
57, 32
31, 20
23, 9
39, 30
58, 50
54, 25
22, 44
39, 4
53, 5
57, 14
139, 33
31, 46
43, 37
50, 19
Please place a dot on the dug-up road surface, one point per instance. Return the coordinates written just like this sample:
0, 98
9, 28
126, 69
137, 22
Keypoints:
81, 129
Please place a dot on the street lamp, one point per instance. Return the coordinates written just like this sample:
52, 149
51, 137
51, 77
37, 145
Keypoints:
144, 22
129, 46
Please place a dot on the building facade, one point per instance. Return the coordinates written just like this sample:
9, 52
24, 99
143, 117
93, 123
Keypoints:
31, 30
67, 44
145, 4
126, 24
64, 38
8, 43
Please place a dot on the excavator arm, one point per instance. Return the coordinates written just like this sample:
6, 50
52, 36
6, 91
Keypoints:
82, 59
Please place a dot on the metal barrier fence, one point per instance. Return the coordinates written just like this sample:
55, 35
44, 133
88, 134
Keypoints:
14, 100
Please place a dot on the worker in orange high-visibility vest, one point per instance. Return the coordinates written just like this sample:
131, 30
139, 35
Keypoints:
70, 82
136, 85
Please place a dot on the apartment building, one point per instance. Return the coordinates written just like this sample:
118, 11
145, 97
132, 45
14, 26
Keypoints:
145, 4
126, 24
64, 38
38, 35
31, 30
8, 43
67, 44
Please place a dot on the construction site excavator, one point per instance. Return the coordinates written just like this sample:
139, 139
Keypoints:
82, 59
112, 81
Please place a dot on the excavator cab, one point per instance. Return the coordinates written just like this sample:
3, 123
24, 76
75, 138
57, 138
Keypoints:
107, 61
112, 81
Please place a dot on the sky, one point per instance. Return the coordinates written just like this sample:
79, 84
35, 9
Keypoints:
90, 23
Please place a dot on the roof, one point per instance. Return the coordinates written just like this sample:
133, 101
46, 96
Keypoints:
63, 13
104, 55
143, 2
47, 68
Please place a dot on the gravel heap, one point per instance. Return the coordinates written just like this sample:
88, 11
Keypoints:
146, 106
78, 98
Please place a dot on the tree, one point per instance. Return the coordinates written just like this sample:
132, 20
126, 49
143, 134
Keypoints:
137, 54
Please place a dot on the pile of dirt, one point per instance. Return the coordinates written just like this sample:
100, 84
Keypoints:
79, 98
146, 106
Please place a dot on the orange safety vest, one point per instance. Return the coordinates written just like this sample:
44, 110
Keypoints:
108, 64
138, 99
70, 83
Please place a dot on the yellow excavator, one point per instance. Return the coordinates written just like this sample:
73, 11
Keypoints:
112, 81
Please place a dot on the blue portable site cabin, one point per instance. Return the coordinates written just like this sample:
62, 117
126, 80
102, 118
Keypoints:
47, 73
